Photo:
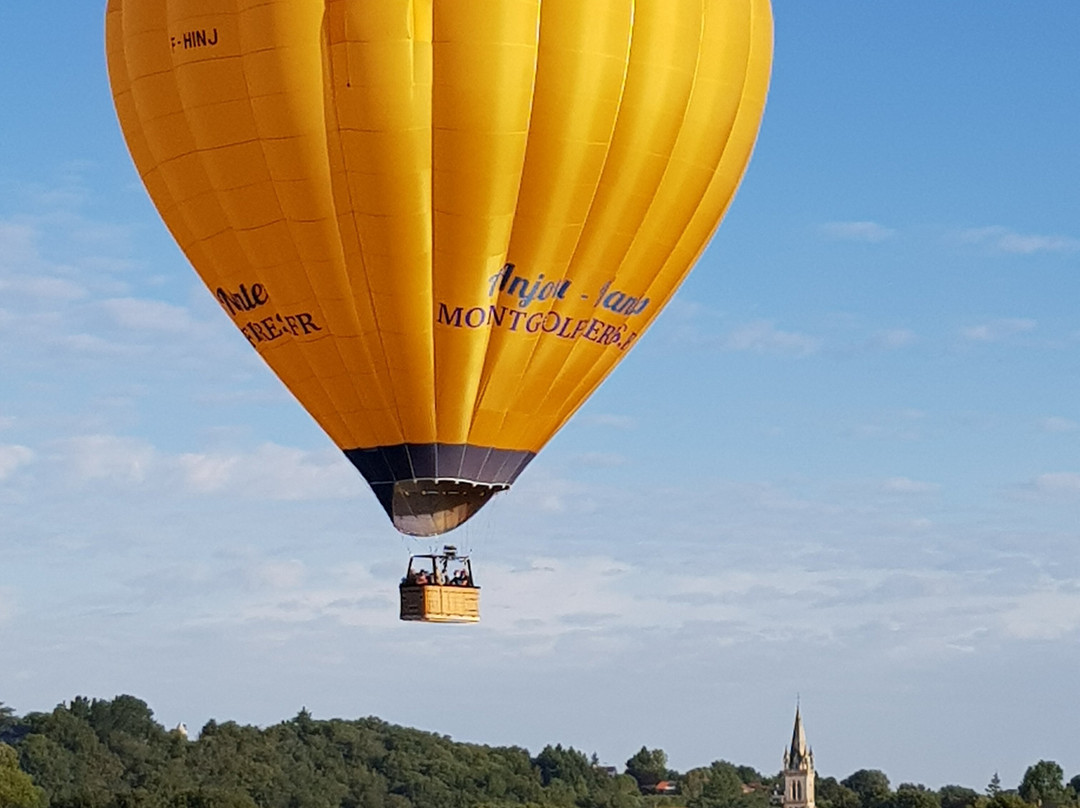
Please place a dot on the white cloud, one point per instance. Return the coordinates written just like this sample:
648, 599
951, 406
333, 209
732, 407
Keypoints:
763, 337
42, 288
998, 329
1049, 614
12, 457
17, 245
542, 601
349, 595
895, 338
107, 457
23, 272
869, 232
7, 606
288, 574
148, 315
1003, 240
906, 425
1055, 423
1058, 483
94, 345
270, 472
540, 492
905, 485
207, 473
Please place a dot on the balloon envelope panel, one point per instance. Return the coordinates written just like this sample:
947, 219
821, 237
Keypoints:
441, 223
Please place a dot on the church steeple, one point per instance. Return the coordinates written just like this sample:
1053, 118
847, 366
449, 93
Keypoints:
799, 752
798, 769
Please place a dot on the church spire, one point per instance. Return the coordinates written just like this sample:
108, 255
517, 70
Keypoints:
798, 752
798, 769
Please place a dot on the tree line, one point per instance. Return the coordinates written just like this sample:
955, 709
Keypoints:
96, 753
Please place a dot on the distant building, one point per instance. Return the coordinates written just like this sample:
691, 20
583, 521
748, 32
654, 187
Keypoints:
798, 770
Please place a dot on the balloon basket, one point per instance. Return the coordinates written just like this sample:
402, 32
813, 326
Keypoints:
440, 604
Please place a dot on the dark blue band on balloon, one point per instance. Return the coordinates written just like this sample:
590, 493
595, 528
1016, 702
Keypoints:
481, 465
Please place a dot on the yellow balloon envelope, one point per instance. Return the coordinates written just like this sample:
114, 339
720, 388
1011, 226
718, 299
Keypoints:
440, 222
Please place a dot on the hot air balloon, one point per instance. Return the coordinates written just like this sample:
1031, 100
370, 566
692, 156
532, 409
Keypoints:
440, 222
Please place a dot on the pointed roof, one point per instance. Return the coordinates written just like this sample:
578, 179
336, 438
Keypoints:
799, 752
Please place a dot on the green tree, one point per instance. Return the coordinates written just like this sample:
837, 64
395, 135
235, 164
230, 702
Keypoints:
830, 794
871, 786
568, 765
17, 789
993, 788
67, 759
620, 791
648, 767
7, 717
1006, 799
749, 775
1042, 784
952, 796
718, 786
1074, 784
909, 795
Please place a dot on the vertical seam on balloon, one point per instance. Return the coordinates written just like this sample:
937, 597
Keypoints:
615, 126
356, 230
463, 399
741, 113
527, 365
569, 406
363, 357
243, 51
489, 358
753, 55
381, 354
430, 43
577, 349
574, 348
196, 244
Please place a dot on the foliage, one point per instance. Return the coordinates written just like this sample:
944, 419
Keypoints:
17, 789
648, 767
1074, 786
620, 791
1042, 784
114, 754
830, 794
908, 795
749, 775
1006, 799
713, 787
725, 785
870, 785
952, 796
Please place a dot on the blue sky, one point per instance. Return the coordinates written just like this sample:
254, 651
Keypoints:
844, 463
